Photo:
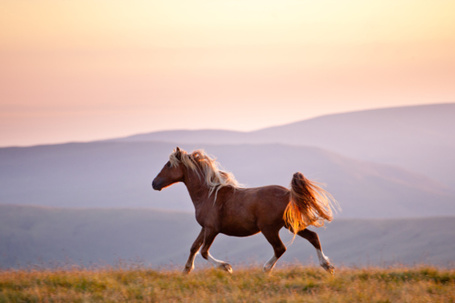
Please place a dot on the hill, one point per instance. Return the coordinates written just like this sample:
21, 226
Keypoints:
59, 236
119, 174
417, 138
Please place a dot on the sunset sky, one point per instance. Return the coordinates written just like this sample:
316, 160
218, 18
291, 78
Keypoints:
84, 70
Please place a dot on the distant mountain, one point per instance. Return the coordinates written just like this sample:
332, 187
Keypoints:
119, 174
204, 136
47, 237
417, 138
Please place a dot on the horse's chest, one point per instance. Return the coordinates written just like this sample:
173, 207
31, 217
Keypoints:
207, 218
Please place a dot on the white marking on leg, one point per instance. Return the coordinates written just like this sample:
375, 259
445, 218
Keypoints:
323, 260
189, 266
214, 261
219, 263
268, 266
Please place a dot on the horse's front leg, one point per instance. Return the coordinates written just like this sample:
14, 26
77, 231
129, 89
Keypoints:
189, 266
210, 235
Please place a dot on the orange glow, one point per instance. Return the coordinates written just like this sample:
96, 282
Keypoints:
82, 70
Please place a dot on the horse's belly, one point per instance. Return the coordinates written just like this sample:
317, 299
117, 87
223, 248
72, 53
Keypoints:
240, 230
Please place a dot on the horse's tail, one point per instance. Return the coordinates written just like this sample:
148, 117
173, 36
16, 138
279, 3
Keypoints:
309, 204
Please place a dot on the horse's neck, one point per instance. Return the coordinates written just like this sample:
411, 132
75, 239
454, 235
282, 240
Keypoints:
198, 190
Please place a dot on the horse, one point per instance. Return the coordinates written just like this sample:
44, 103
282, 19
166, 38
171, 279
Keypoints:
223, 206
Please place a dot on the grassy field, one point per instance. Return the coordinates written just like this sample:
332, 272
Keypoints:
296, 284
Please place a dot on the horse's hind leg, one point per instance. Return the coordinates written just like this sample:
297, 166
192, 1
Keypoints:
193, 252
313, 238
278, 248
209, 236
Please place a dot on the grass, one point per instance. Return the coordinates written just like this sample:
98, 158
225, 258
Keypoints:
291, 284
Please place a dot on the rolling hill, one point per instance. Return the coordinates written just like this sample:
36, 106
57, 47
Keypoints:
119, 174
48, 237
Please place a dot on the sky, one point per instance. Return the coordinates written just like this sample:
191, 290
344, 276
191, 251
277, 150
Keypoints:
86, 70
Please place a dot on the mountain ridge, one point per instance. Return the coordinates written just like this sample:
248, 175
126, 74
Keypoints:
147, 136
417, 138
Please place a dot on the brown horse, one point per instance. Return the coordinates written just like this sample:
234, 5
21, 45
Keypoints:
222, 206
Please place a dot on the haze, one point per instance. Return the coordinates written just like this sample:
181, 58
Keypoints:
84, 70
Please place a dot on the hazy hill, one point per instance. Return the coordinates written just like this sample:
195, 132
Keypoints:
417, 138
119, 174
50, 236
202, 136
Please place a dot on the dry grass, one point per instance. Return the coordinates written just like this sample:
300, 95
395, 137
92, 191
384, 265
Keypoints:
297, 284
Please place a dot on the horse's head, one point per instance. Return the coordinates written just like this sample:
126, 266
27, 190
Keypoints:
171, 173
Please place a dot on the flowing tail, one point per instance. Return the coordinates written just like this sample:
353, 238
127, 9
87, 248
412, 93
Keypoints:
309, 205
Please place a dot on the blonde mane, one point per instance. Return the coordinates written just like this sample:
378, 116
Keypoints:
206, 168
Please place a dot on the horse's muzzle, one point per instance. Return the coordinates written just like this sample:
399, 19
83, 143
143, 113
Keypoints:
156, 186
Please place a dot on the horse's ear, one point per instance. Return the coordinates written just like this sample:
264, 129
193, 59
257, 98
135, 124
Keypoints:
178, 153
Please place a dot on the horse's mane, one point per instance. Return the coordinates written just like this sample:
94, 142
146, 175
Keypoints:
207, 169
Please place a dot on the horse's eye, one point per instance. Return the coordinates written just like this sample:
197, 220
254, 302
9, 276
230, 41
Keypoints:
168, 164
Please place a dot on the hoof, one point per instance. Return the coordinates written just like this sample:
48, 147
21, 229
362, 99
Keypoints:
227, 267
329, 268
187, 270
